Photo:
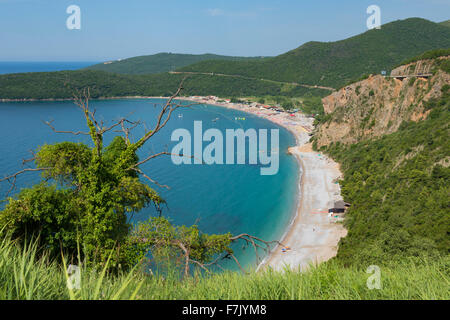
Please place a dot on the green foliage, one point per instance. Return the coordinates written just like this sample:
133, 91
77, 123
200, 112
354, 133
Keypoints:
60, 85
287, 105
26, 275
335, 63
444, 65
158, 63
160, 237
398, 186
352, 81
431, 54
312, 105
90, 205
81, 208
30, 273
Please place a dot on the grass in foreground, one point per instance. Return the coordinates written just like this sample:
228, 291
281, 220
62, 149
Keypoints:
24, 276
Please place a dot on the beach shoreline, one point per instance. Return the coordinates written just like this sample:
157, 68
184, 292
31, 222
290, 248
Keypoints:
313, 234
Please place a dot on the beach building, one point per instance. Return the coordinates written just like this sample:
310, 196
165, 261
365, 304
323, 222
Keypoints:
339, 207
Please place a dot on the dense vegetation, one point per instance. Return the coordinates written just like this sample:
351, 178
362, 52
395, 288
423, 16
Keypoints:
445, 23
308, 103
399, 189
60, 85
432, 54
335, 63
24, 275
158, 63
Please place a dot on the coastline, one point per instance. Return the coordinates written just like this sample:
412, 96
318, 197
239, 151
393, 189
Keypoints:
313, 234
98, 98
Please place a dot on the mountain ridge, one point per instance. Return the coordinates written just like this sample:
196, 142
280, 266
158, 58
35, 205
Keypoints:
335, 63
159, 62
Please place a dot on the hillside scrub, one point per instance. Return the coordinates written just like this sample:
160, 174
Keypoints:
61, 84
399, 189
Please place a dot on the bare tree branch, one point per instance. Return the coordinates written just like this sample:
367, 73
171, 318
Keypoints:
166, 111
23, 171
49, 123
14, 177
254, 242
237, 262
150, 179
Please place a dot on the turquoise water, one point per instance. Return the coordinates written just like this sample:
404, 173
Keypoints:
25, 66
219, 198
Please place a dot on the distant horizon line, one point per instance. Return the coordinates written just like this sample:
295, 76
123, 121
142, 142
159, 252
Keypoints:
141, 55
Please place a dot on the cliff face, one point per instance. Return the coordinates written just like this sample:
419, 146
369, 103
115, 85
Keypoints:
378, 105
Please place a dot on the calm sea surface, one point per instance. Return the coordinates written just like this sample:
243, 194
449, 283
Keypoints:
20, 66
219, 198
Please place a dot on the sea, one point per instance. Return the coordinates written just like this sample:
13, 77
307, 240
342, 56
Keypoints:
39, 66
217, 198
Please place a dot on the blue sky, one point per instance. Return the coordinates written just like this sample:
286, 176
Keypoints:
35, 30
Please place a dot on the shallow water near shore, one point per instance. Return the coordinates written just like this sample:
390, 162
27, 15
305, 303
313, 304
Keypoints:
219, 198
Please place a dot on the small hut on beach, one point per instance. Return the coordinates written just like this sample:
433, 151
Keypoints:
339, 207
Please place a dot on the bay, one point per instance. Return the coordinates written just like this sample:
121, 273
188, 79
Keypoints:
218, 198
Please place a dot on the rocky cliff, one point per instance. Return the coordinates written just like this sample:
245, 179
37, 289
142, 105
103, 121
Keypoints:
378, 105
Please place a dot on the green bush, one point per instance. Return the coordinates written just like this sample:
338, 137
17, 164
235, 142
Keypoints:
398, 191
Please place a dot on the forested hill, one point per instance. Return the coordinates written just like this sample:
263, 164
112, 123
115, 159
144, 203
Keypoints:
391, 138
399, 187
61, 85
157, 63
335, 63
445, 23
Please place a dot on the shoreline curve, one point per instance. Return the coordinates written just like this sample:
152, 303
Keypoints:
312, 235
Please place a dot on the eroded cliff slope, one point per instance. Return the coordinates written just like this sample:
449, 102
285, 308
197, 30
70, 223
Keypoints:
378, 105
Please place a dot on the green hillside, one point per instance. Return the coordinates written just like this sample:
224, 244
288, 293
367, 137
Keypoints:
445, 23
398, 186
60, 85
335, 63
157, 63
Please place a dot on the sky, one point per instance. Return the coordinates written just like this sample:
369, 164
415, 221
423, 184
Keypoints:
35, 30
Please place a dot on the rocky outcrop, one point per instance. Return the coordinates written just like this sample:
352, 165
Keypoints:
378, 105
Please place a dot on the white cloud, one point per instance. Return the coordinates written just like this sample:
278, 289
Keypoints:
215, 12
233, 14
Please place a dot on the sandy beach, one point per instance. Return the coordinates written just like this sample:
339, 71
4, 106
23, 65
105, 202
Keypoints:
313, 235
